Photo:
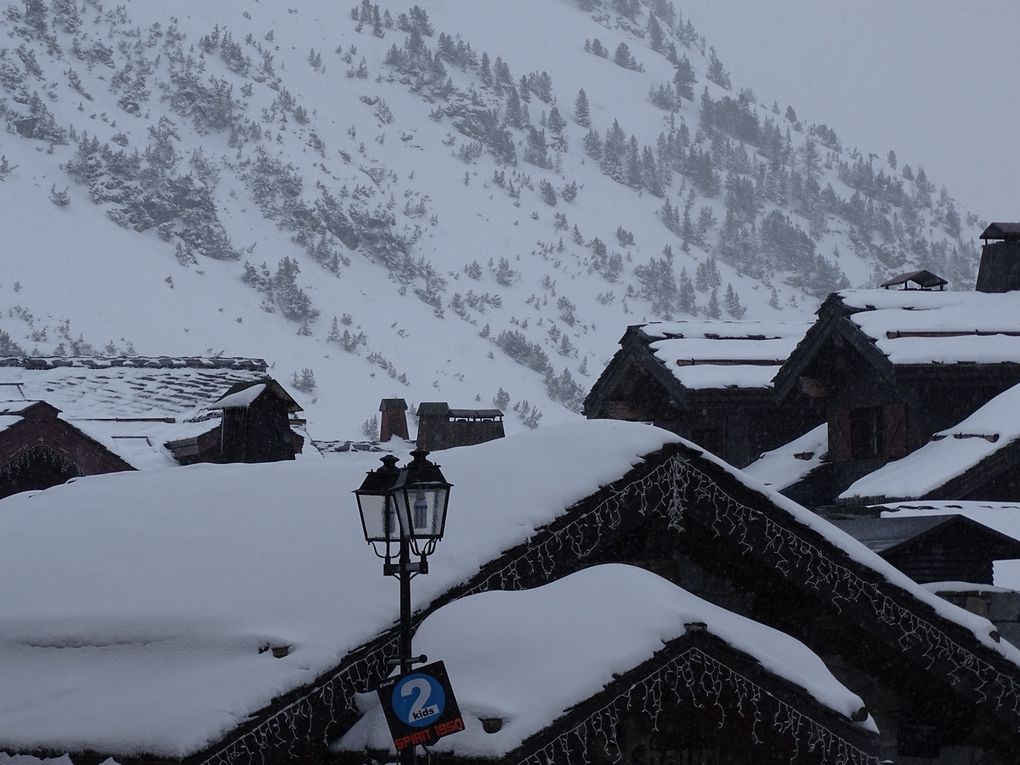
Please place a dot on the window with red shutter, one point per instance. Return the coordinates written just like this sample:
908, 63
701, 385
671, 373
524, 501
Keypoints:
895, 430
839, 436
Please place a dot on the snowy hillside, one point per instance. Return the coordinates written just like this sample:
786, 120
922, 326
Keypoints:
386, 202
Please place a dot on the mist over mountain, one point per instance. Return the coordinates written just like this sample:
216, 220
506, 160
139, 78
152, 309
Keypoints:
466, 202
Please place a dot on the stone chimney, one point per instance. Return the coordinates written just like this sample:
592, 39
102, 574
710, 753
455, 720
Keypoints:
394, 419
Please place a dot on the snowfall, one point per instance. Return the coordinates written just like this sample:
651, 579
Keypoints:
136, 604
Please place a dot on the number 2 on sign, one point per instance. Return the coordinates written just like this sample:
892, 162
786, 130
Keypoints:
418, 709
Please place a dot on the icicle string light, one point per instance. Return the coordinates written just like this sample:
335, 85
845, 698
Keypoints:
696, 677
796, 558
676, 491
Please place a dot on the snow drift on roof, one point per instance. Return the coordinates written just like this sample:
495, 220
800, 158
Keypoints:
135, 604
690, 360
725, 329
554, 647
793, 462
126, 391
1003, 517
896, 318
240, 400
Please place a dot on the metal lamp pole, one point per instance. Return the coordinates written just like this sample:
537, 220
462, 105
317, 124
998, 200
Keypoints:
406, 507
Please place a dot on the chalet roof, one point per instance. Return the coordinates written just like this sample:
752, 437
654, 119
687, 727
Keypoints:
909, 328
954, 461
241, 395
1001, 231
433, 409
1002, 517
924, 279
887, 534
701, 355
540, 636
179, 639
125, 387
131, 405
792, 462
392, 403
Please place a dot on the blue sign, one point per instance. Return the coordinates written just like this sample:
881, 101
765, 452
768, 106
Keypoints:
418, 700
420, 707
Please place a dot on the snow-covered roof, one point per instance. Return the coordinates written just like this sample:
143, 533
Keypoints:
125, 387
793, 462
555, 647
933, 327
723, 354
132, 405
240, 400
948, 455
1003, 517
135, 604
7, 420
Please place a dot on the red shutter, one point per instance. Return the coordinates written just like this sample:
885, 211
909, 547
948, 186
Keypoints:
839, 435
894, 427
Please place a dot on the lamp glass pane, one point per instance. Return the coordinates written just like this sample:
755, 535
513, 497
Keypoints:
379, 515
426, 506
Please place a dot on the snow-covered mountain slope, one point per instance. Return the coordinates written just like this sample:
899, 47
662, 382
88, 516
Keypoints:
384, 201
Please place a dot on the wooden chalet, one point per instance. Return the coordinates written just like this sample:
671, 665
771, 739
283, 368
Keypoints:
934, 548
38, 449
938, 681
440, 427
140, 413
1000, 258
255, 426
710, 382
893, 368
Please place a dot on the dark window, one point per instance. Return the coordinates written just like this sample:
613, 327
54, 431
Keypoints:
866, 429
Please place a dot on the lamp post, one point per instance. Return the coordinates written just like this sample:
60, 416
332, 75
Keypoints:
404, 511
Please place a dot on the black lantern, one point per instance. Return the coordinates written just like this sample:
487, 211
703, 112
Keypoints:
422, 494
378, 508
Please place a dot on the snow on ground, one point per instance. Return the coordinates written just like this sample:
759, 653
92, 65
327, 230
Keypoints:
556, 638
949, 454
135, 604
786, 465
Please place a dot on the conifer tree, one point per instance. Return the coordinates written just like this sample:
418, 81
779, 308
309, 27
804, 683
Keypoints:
684, 79
687, 299
514, 115
558, 140
656, 37
712, 310
732, 303
582, 110
535, 150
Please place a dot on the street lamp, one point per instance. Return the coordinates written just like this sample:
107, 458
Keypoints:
404, 510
